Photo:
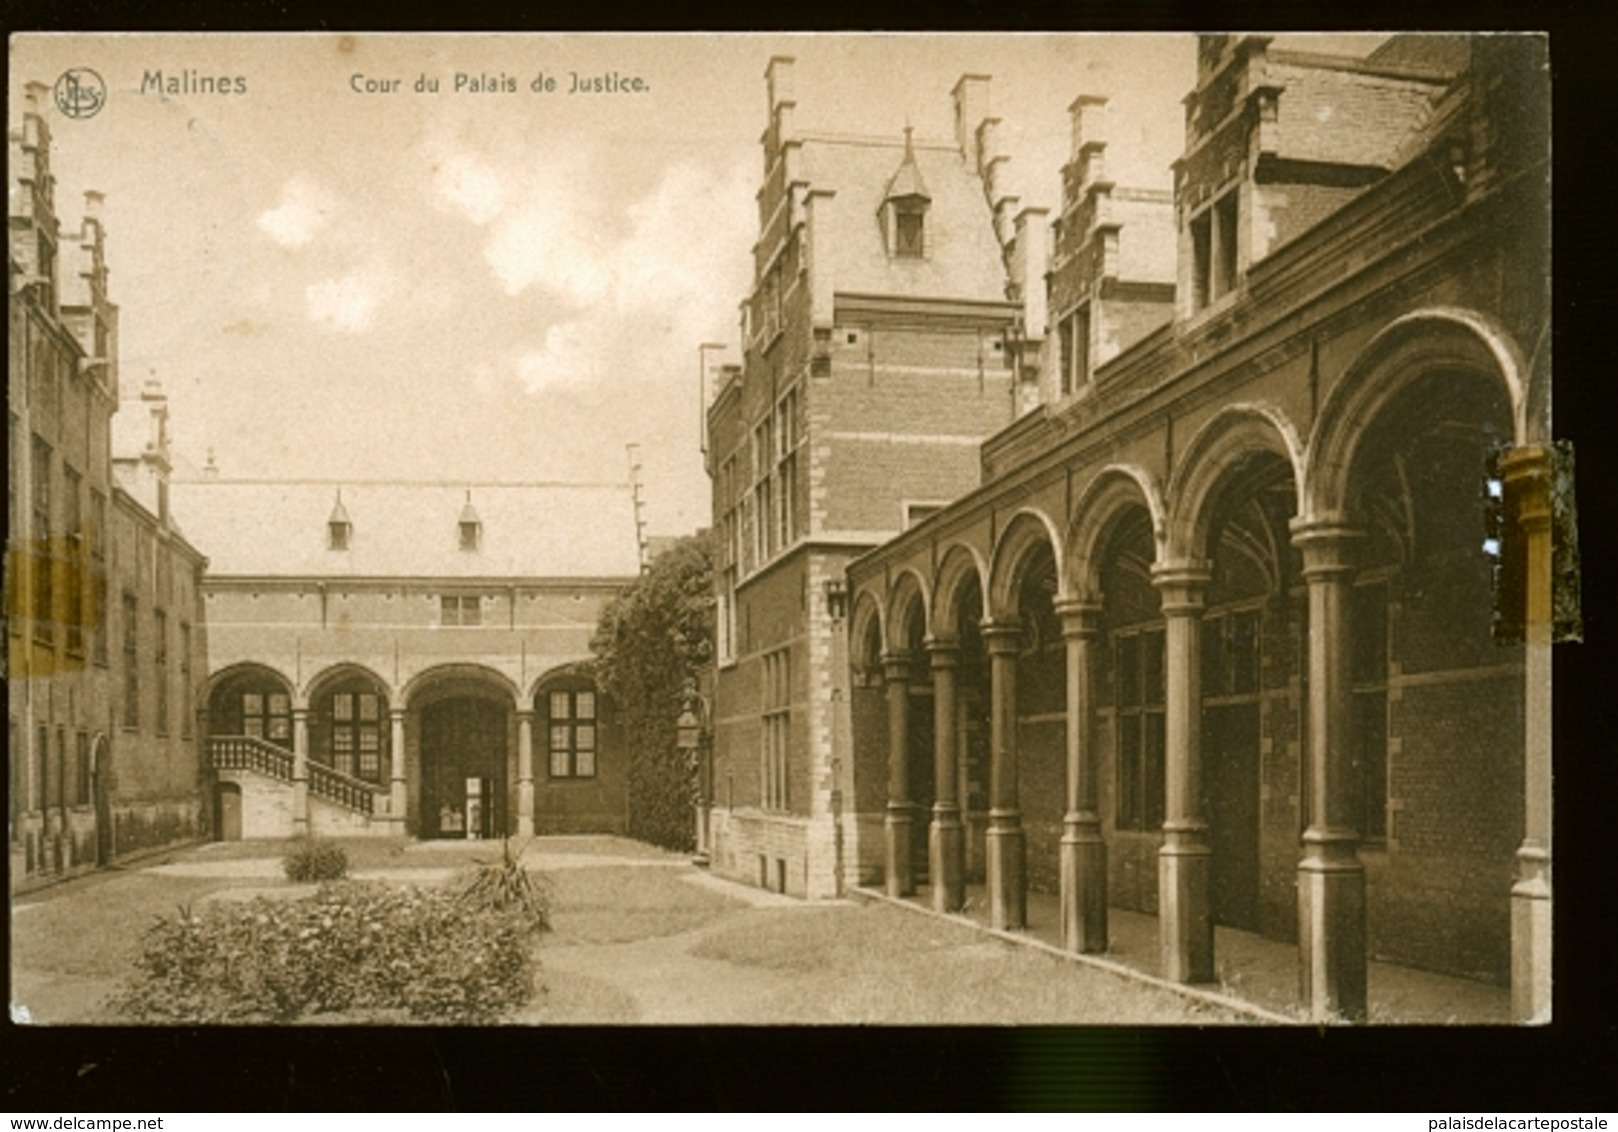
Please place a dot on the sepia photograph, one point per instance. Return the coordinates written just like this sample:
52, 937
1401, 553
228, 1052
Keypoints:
752, 529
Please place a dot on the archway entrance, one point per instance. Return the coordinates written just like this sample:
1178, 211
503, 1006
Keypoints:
1255, 602
227, 815
463, 768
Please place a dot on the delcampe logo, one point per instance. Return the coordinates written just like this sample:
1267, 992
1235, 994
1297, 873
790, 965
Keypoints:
80, 93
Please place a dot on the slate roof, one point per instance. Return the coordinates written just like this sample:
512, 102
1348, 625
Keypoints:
963, 255
278, 529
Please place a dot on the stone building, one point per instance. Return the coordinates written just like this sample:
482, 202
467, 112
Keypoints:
1210, 636
400, 658
104, 632
879, 349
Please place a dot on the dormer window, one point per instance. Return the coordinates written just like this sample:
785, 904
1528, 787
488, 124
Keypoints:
338, 528
904, 208
471, 527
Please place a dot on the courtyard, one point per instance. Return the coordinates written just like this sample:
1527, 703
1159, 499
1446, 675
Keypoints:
640, 936
643, 936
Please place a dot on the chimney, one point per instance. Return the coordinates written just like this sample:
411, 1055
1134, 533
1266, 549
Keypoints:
1030, 253
971, 96
1089, 114
783, 100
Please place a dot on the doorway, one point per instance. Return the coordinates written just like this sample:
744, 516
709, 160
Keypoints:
227, 812
1230, 778
463, 769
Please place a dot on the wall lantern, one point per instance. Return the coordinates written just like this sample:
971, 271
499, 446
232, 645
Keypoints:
836, 598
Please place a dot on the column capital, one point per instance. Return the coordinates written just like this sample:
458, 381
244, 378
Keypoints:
943, 652
1526, 463
1182, 583
896, 665
1081, 617
1002, 636
300, 714
1327, 542
525, 713
1529, 472
396, 714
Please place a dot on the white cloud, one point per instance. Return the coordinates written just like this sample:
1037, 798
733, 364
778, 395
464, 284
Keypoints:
304, 210
669, 283
346, 302
468, 183
551, 246
567, 361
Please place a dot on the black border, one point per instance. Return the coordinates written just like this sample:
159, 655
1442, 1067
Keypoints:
1569, 1065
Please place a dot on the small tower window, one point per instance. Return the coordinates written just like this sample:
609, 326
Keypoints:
339, 530
471, 527
904, 208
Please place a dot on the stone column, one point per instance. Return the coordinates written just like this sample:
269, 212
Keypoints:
1331, 879
1527, 473
946, 841
901, 879
1005, 854
525, 774
300, 772
1083, 851
1185, 921
398, 797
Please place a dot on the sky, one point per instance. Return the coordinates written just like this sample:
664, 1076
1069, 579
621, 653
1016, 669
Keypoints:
333, 279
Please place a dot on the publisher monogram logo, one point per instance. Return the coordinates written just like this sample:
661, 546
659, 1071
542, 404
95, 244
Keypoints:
80, 93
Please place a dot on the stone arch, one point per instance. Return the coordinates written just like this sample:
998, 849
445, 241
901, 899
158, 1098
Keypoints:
471, 673
252, 699
868, 616
1213, 456
960, 562
570, 670
1113, 490
216, 680
1029, 528
1413, 345
908, 600
340, 671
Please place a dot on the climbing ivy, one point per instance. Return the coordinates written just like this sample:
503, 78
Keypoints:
650, 639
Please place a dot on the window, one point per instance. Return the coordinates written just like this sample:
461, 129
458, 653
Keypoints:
356, 734
131, 663
81, 775
777, 687
469, 534
908, 229
1073, 341
1369, 676
73, 520
186, 710
337, 533
267, 715
44, 613
58, 785
160, 661
571, 730
1138, 675
98, 577
764, 531
1214, 260
789, 435
770, 300
460, 609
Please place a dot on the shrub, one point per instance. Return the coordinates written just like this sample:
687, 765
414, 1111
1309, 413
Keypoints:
505, 886
311, 859
352, 946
